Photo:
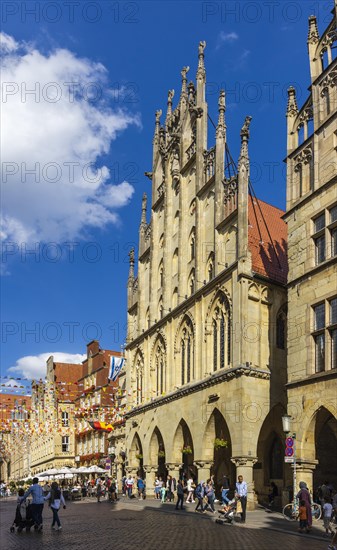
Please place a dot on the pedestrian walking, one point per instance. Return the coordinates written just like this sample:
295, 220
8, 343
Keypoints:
199, 494
129, 485
171, 487
56, 500
209, 492
241, 494
304, 494
225, 490
99, 490
141, 488
303, 517
37, 503
180, 495
327, 511
190, 490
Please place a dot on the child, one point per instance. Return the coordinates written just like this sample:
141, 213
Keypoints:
56, 499
302, 514
327, 510
163, 494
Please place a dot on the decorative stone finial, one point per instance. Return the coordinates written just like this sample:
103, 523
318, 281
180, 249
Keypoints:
201, 56
183, 73
292, 108
170, 97
220, 129
132, 264
144, 206
313, 34
245, 138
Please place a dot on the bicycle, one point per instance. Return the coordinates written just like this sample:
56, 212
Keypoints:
290, 511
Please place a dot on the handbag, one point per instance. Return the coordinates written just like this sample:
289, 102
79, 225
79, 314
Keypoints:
239, 507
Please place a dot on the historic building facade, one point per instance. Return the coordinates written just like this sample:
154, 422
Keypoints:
52, 438
14, 436
312, 284
95, 402
206, 351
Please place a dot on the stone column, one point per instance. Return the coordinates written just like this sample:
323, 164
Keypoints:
204, 469
173, 469
305, 472
150, 472
244, 467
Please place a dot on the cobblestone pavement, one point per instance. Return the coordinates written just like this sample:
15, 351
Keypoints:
150, 526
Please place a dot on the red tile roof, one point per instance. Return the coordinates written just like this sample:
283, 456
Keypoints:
267, 260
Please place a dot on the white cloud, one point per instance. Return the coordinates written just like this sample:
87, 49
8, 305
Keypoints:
226, 37
7, 43
60, 131
34, 366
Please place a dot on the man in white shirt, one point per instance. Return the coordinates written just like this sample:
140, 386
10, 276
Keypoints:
241, 493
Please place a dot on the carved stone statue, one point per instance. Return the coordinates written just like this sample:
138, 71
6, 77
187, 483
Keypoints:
202, 46
245, 127
175, 168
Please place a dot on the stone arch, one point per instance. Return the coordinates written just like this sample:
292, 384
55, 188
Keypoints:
135, 457
217, 429
157, 453
210, 267
213, 301
319, 443
182, 440
191, 243
270, 453
187, 316
191, 283
254, 292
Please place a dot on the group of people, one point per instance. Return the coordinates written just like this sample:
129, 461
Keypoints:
328, 500
175, 490
51, 494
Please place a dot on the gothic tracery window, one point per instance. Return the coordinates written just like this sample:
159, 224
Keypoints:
187, 352
160, 362
139, 380
221, 334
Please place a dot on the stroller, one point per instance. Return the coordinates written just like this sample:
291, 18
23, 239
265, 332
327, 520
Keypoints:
228, 513
23, 518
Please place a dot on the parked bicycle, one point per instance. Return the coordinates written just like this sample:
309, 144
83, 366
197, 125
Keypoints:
290, 511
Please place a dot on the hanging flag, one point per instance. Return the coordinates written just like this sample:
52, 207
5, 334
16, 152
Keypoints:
116, 365
96, 425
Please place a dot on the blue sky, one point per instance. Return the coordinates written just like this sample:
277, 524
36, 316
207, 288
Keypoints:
123, 58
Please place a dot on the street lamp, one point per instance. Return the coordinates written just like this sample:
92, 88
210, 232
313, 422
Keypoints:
290, 452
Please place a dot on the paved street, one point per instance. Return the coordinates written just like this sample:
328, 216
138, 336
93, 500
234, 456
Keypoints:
149, 525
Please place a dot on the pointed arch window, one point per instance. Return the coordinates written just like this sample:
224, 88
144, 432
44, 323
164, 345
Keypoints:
221, 334
281, 328
160, 363
192, 244
187, 352
139, 381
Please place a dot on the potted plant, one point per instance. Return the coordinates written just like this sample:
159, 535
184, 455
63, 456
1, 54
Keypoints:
186, 450
219, 443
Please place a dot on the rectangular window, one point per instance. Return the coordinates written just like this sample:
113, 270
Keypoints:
319, 313
319, 223
319, 353
333, 311
320, 249
65, 443
65, 419
334, 349
333, 214
334, 242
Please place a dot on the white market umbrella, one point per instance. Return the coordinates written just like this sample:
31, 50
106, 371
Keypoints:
96, 470
48, 473
64, 476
